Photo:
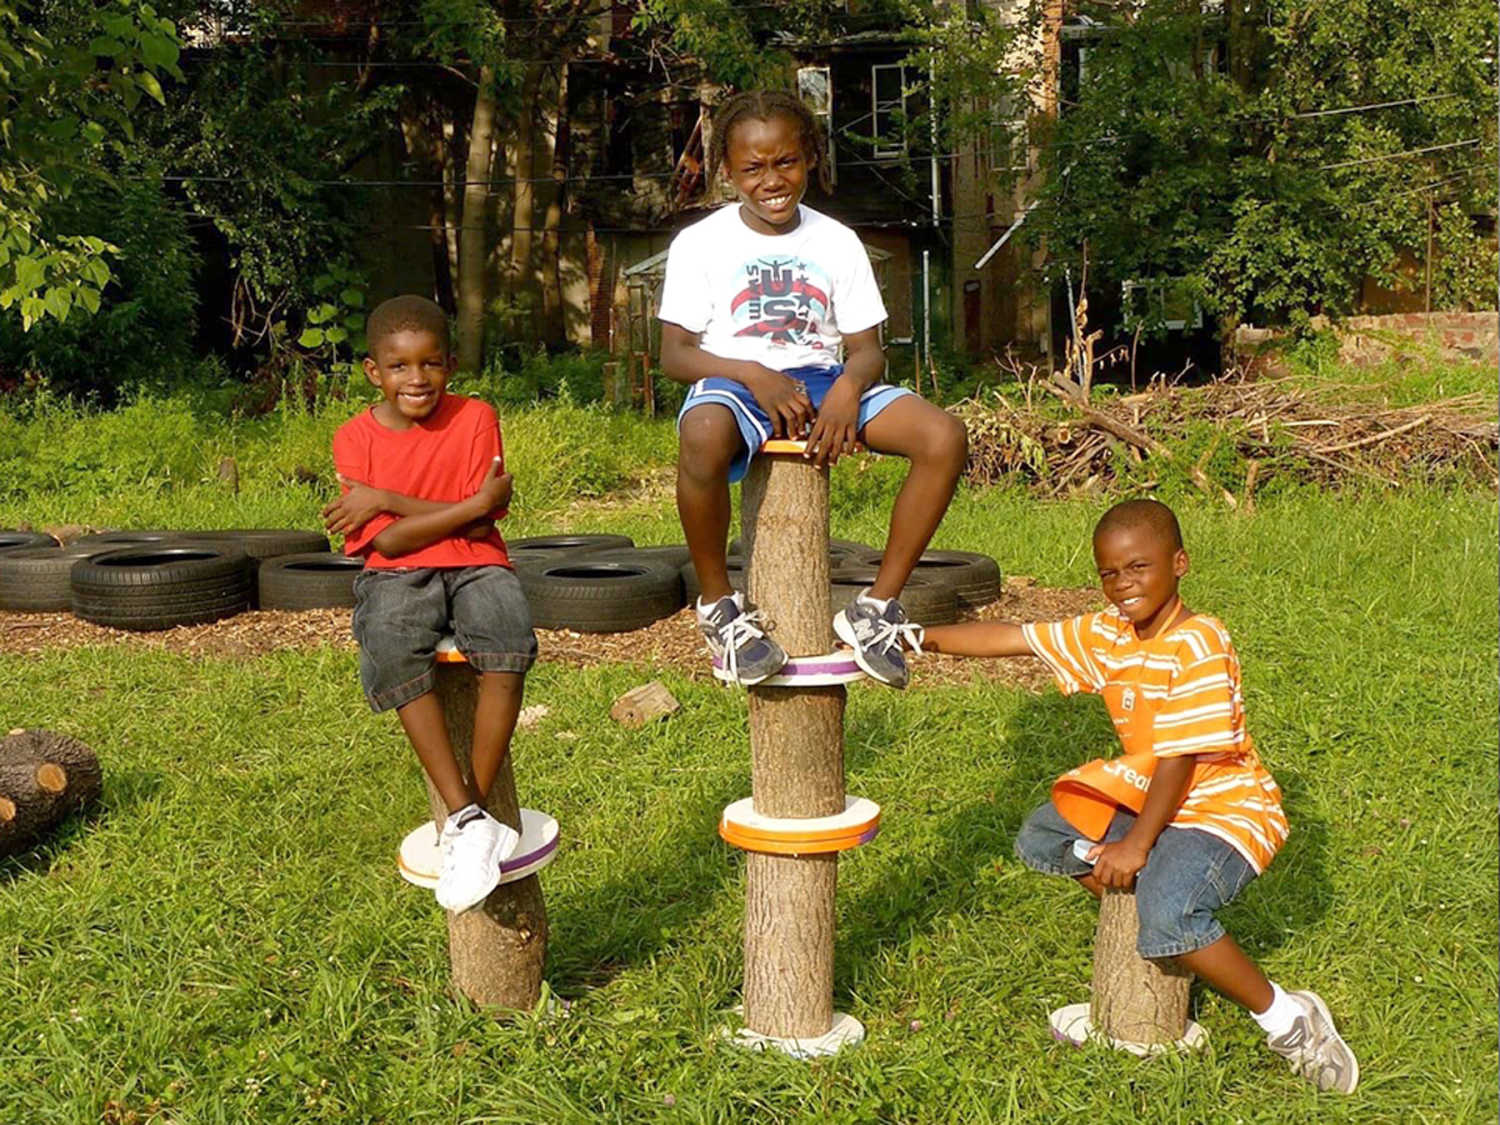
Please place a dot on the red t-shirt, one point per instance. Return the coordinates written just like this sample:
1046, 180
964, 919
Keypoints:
444, 457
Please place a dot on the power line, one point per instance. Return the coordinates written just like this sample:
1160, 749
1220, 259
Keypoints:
1395, 155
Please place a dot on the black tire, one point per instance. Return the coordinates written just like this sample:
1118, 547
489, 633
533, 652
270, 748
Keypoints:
692, 588
601, 596
16, 540
545, 548
839, 550
161, 585
927, 601
263, 543
102, 541
676, 555
975, 578
36, 579
313, 580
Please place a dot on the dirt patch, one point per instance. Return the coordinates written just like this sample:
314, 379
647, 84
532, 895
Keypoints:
672, 642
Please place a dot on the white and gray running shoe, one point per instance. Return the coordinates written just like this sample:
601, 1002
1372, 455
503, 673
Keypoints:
876, 635
1315, 1050
738, 642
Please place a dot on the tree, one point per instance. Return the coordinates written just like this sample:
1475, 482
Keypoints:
1271, 157
71, 79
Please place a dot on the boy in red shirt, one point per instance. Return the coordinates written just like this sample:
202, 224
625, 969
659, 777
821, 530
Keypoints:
424, 481
1186, 813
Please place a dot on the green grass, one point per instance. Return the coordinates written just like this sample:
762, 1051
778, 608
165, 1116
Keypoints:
227, 941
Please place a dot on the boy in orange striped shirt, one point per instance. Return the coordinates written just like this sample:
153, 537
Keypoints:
1186, 812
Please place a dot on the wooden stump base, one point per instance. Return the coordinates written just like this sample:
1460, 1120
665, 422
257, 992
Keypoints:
496, 949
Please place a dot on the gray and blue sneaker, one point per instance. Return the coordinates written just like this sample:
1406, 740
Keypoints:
738, 642
876, 635
1314, 1048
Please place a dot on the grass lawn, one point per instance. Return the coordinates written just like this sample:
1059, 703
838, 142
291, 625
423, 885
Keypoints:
227, 940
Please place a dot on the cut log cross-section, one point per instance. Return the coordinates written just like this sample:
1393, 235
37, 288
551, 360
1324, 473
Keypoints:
797, 755
496, 950
43, 777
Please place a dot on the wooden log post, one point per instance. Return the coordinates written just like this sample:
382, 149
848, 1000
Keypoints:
497, 948
797, 754
44, 776
1134, 1000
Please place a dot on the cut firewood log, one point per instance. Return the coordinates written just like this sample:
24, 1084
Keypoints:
44, 777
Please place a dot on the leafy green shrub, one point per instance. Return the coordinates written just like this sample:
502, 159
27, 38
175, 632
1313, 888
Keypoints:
141, 338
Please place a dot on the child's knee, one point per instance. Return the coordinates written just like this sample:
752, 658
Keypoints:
1170, 926
706, 446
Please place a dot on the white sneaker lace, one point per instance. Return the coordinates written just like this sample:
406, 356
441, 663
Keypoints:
745, 627
887, 633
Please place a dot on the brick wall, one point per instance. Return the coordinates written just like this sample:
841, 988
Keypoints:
1370, 339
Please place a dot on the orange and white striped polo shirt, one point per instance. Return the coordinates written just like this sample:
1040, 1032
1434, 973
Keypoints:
1175, 694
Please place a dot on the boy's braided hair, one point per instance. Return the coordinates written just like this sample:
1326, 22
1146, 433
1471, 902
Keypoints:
407, 313
762, 105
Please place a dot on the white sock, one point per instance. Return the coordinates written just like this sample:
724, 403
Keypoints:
878, 603
1278, 1018
705, 608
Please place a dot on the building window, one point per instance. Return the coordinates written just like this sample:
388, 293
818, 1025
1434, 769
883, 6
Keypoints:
889, 95
1010, 144
815, 88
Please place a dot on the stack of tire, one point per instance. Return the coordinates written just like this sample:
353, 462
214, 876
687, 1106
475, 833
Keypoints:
149, 579
598, 583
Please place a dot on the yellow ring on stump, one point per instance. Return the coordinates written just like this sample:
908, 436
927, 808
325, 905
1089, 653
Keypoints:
742, 827
783, 445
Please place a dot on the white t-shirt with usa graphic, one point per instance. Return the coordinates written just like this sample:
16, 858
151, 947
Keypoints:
783, 301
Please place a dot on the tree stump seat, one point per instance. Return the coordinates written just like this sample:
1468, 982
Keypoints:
496, 949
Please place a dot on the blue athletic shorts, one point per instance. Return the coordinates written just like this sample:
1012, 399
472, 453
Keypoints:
755, 425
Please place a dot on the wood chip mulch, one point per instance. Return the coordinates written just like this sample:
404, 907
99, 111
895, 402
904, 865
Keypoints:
672, 642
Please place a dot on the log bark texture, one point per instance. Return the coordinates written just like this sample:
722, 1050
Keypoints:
498, 948
797, 755
1134, 999
43, 777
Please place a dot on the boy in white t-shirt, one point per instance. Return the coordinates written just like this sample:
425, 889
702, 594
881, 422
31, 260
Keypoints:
759, 300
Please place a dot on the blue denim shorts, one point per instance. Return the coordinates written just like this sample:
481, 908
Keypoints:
1188, 875
755, 425
400, 615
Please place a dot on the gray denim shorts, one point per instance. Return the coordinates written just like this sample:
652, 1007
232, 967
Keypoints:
1188, 875
400, 615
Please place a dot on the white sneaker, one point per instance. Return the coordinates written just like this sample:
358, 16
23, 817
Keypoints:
472, 854
1315, 1049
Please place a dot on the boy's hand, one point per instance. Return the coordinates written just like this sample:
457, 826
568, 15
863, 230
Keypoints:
834, 430
355, 508
1116, 865
479, 529
494, 491
784, 400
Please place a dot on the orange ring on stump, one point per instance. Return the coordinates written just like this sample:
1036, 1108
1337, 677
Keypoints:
743, 827
783, 445
447, 652
791, 447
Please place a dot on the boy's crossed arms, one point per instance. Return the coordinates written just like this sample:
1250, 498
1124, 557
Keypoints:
420, 523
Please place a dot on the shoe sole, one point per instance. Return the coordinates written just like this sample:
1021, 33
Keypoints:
845, 632
1317, 1002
